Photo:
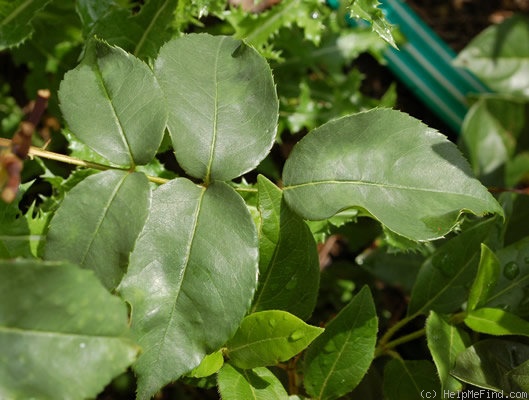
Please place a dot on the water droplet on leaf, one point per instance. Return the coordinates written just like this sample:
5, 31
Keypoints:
272, 322
511, 270
296, 335
445, 264
291, 284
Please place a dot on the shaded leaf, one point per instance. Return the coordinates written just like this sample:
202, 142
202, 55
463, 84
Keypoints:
338, 359
254, 384
223, 107
289, 269
267, 337
442, 283
15, 238
486, 279
390, 166
57, 320
487, 364
499, 56
494, 321
191, 278
113, 103
520, 376
445, 342
15, 20
410, 380
98, 222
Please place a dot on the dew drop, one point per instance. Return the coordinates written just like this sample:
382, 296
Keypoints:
526, 259
291, 284
511, 270
445, 265
82, 345
329, 348
272, 322
296, 335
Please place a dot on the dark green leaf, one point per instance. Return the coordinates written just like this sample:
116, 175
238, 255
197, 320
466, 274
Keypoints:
289, 270
445, 342
15, 20
487, 364
389, 165
15, 238
55, 321
442, 283
486, 279
98, 223
338, 359
494, 321
191, 278
113, 103
520, 376
223, 107
499, 56
410, 380
254, 384
267, 337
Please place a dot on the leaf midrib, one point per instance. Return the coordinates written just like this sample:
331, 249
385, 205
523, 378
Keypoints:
146, 32
37, 332
15, 12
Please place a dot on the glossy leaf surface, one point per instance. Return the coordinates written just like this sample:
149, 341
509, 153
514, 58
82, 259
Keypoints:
486, 279
254, 384
369, 11
289, 270
338, 359
487, 364
191, 278
56, 320
389, 165
15, 20
113, 103
267, 337
441, 283
407, 380
494, 321
223, 107
499, 56
98, 223
445, 342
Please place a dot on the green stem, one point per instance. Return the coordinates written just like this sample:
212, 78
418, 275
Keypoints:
395, 328
387, 348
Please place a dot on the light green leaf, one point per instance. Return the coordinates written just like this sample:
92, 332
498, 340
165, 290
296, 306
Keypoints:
289, 270
488, 364
140, 33
410, 380
98, 222
113, 103
15, 20
369, 11
445, 342
266, 338
254, 384
486, 279
499, 56
208, 366
191, 278
389, 165
338, 359
223, 107
494, 321
55, 321
443, 278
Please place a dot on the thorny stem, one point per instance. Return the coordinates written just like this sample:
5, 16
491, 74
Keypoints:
37, 152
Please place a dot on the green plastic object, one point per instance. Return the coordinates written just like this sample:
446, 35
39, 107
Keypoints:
424, 63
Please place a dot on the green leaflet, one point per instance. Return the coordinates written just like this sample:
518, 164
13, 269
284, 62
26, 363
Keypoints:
15, 20
489, 364
442, 279
255, 384
57, 320
223, 106
15, 236
410, 380
267, 337
191, 278
113, 103
494, 321
389, 165
98, 222
486, 279
445, 342
338, 359
208, 366
499, 56
289, 269
369, 11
